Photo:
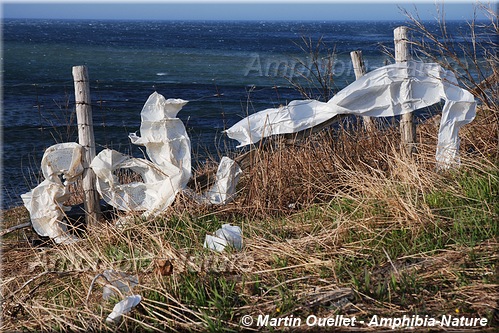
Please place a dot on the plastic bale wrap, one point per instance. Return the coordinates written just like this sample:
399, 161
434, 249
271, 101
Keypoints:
168, 171
164, 135
45, 203
163, 176
387, 91
155, 193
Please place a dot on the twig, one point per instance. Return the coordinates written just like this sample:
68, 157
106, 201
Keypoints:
391, 262
14, 228
488, 82
91, 287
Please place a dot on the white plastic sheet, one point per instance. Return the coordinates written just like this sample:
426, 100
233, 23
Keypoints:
154, 194
45, 203
122, 308
228, 235
227, 177
223, 189
164, 135
123, 282
168, 171
387, 91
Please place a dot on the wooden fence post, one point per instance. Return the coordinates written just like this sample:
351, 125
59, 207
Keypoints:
86, 139
407, 124
360, 69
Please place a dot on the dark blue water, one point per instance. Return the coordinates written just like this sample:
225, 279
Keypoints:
225, 69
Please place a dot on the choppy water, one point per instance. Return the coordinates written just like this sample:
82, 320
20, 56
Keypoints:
225, 70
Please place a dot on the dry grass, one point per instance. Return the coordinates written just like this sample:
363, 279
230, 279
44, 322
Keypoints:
336, 224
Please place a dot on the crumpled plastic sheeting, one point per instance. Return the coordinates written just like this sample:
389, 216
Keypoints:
154, 194
123, 282
164, 135
168, 171
387, 91
45, 202
228, 235
168, 147
122, 308
227, 177
223, 189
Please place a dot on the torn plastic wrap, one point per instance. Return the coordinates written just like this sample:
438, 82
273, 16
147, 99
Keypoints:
228, 235
168, 171
45, 203
120, 281
387, 91
122, 308
223, 189
154, 194
164, 135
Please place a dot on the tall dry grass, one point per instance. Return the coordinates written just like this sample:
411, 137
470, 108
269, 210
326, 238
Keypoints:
336, 223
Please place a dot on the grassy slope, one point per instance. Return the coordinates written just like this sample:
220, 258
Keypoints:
339, 224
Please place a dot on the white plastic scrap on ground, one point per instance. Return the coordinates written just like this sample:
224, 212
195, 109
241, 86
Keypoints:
122, 283
45, 203
228, 235
117, 280
122, 308
387, 91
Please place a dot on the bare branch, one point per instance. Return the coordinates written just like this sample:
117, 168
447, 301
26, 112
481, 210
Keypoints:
14, 228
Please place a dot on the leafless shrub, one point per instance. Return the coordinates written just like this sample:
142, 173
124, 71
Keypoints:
471, 56
318, 82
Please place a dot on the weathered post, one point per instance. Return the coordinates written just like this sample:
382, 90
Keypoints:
359, 69
86, 139
407, 124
